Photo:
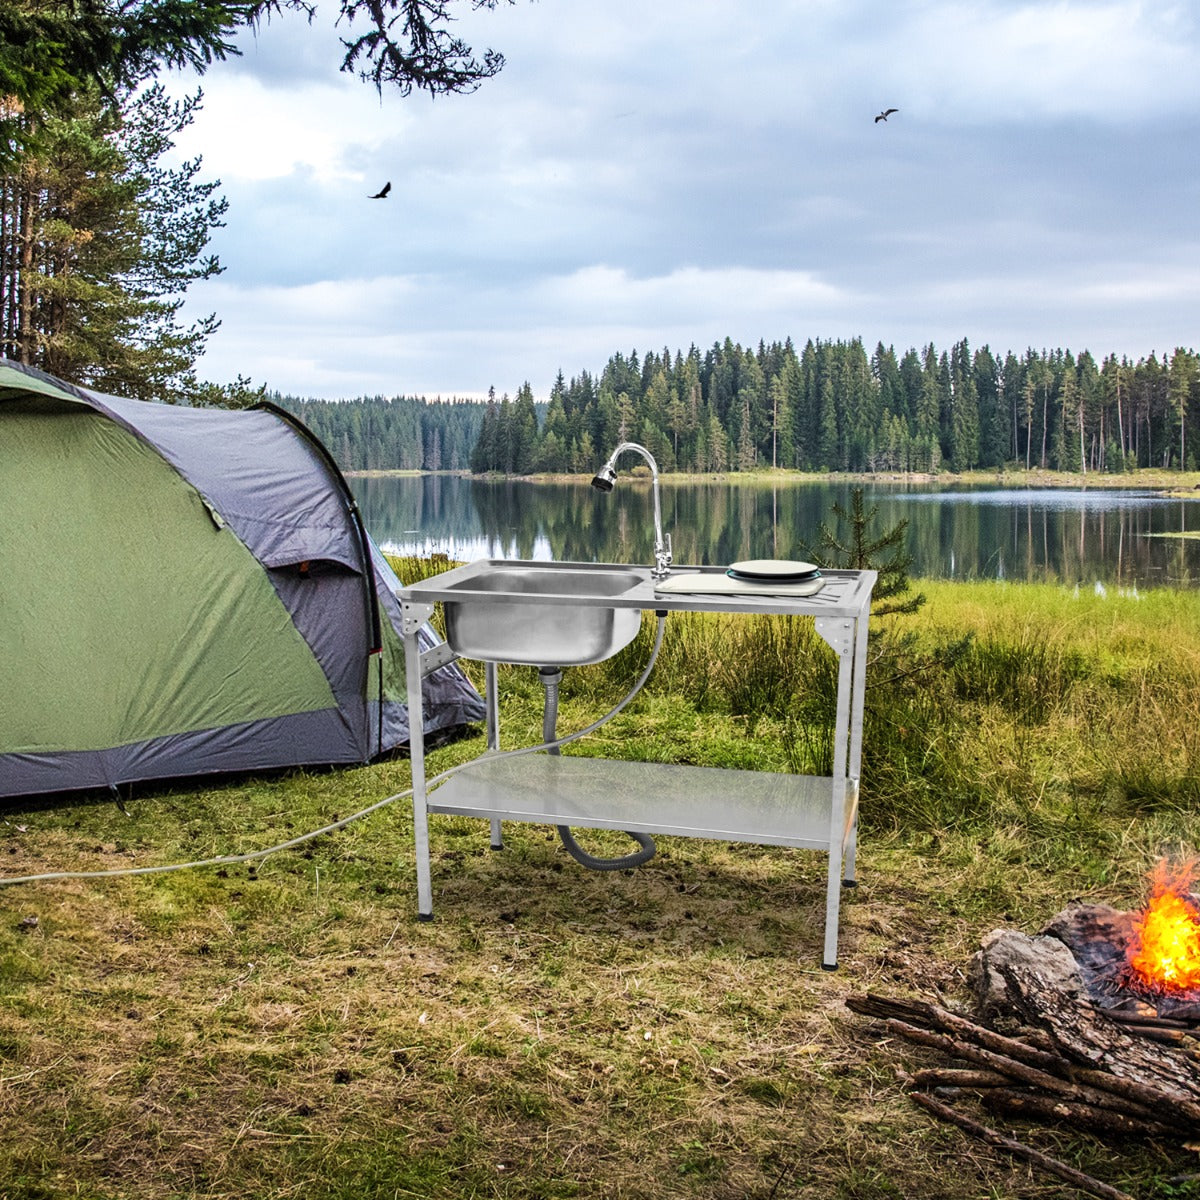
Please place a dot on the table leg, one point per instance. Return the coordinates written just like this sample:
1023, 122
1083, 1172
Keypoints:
856, 740
416, 742
491, 694
839, 634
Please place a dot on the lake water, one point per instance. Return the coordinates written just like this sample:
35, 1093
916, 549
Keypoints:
1121, 538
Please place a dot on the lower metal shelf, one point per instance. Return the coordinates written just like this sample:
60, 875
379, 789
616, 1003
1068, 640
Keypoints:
655, 798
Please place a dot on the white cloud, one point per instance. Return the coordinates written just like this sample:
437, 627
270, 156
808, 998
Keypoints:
427, 336
679, 172
688, 293
249, 131
1108, 62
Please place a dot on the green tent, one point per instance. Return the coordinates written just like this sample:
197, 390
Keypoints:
185, 591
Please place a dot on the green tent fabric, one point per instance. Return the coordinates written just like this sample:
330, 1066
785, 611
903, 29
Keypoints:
186, 591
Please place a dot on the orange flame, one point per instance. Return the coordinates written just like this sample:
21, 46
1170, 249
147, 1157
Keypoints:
1164, 951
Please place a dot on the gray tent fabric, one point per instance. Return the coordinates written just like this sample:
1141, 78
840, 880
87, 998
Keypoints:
187, 591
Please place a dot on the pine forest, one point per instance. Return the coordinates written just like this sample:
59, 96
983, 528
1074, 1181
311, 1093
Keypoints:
403, 433
830, 407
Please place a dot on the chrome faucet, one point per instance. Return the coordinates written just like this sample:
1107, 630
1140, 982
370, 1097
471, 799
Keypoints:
607, 476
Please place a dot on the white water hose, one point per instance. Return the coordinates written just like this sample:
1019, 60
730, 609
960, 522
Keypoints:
227, 859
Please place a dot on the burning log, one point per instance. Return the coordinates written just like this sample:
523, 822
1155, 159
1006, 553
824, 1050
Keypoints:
1146, 962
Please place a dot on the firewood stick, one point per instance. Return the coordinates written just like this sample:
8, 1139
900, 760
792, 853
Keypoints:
1186, 1113
1132, 1018
940, 1018
1011, 1102
1076, 1178
1026, 1074
934, 1077
1158, 1033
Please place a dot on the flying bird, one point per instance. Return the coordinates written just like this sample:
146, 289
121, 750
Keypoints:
883, 116
383, 191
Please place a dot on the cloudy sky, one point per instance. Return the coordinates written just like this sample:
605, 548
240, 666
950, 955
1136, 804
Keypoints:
663, 173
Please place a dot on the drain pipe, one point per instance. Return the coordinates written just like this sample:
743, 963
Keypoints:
550, 678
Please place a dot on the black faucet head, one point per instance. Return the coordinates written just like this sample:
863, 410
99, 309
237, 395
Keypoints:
604, 479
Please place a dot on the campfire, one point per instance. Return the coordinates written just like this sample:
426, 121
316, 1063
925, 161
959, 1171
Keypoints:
1094, 1022
1143, 963
1164, 952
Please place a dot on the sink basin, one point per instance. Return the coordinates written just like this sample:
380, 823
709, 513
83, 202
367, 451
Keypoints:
541, 614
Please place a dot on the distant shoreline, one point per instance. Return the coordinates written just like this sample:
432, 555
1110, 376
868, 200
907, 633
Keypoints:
1185, 484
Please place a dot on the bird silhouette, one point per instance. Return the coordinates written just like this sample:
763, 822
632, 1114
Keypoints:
883, 116
382, 193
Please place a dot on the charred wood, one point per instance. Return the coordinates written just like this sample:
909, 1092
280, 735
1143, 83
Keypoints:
1089, 1036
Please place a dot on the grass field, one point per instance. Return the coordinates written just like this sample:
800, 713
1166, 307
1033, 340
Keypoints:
287, 1028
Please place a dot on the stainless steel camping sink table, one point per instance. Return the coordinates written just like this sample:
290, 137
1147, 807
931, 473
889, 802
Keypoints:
809, 812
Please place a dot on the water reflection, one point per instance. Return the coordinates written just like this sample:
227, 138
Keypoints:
1124, 538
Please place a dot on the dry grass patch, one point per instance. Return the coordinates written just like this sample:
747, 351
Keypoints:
553, 1033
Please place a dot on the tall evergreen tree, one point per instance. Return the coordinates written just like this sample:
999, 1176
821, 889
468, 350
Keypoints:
964, 411
1183, 390
98, 244
484, 455
525, 433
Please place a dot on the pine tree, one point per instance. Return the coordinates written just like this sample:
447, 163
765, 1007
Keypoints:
99, 243
964, 412
860, 549
745, 440
782, 449
524, 438
995, 433
484, 455
827, 445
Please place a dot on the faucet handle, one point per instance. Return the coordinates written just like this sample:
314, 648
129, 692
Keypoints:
662, 557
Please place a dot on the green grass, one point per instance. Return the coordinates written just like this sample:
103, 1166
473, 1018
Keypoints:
288, 1028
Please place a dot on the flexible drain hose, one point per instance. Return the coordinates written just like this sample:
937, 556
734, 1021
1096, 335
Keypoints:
551, 677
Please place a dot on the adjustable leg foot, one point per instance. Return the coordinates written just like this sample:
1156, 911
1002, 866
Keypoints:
425, 917
828, 966
847, 883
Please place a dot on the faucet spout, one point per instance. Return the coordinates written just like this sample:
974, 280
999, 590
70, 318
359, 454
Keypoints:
604, 480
